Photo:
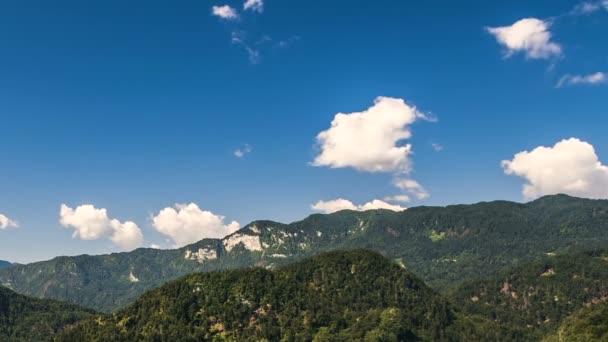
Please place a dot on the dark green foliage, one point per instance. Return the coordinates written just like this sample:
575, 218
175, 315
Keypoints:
589, 324
537, 297
445, 246
339, 296
29, 319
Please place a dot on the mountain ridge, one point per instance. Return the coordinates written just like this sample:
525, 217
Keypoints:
445, 246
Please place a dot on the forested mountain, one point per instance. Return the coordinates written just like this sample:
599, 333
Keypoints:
4, 264
445, 246
336, 296
539, 296
30, 319
589, 324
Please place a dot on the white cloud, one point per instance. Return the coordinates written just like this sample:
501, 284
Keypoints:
242, 151
398, 198
6, 222
370, 140
437, 147
240, 38
187, 223
570, 167
412, 187
225, 12
154, 246
90, 223
586, 8
333, 206
530, 35
254, 5
593, 79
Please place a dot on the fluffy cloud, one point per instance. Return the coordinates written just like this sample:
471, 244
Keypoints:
571, 167
333, 206
588, 7
225, 12
242, 151
398, 198
6, 222
90, 223
187, 223
254, 5
370, 140
412, 187
530, 36
597, 78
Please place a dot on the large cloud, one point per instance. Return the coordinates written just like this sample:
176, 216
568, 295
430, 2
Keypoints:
333, 206
530, 35
571, 167
370, 140
187, 223
90, 223
592, 79
225, 12
6, 222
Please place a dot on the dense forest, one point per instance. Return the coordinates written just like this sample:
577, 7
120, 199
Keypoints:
29, 319
337, 296
537, 297
445, 246
589, 324
350, 295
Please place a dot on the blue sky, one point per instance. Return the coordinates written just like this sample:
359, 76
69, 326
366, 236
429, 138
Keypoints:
136, 106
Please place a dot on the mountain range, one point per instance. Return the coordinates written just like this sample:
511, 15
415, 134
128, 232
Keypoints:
4, 264
445, 246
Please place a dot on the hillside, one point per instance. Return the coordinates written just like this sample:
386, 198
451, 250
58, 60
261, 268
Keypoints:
4, 264
445, 246
590, 324
29, 319
539, 296
342, 296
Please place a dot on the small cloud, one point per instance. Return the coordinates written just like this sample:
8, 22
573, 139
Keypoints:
90, 223
587, 7
187, 223
6, 222
242, 151
592, 79
398, 198
288, 42
239, 38
437, 147
412, 187
530, 36
254, 5
154, 246
225, 12
339, 204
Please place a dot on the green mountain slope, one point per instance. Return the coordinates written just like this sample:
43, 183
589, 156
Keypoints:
539, 296
445, 246
4, 264
29, 319
589, 324
341, 296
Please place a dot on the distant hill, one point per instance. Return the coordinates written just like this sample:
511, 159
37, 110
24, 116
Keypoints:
539, 296
29, 319
590, 324
338, 296
4, 264
445, 246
